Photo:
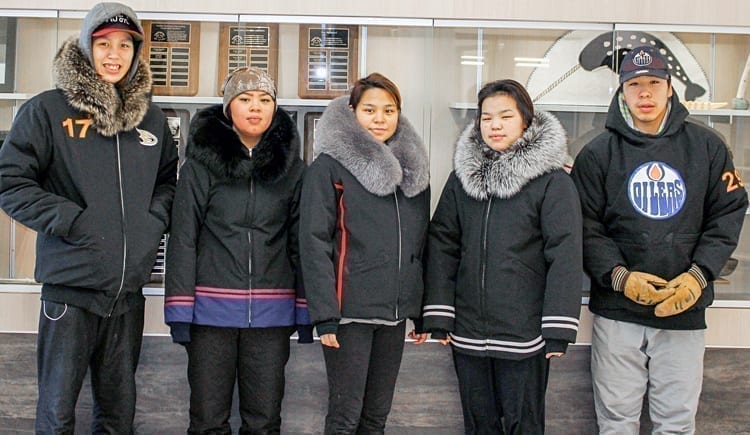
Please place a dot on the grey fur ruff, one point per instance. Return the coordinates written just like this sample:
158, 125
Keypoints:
379, 167
486, 173
111, 110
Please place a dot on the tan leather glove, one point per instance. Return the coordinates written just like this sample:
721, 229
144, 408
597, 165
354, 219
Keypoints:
688, 288
640, 287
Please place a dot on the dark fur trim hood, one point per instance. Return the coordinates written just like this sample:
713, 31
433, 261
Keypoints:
112, 109
486, 173
213, 142
379, 167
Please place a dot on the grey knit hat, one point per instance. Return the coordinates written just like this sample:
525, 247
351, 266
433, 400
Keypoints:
245, 79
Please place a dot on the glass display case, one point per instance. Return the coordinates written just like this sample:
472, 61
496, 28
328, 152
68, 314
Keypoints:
569, 70
439, 65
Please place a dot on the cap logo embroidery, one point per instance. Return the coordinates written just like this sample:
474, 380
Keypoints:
642, 59
121, 19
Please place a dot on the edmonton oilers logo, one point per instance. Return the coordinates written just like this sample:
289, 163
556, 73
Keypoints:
656, 190
642, 59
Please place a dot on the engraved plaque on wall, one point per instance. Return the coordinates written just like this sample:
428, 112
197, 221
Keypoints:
248, 45
328, 60
172, 49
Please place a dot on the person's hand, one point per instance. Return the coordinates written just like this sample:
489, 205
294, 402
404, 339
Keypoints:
418, 338
445, 341
329, 340
554, 354
646, 289
687, 291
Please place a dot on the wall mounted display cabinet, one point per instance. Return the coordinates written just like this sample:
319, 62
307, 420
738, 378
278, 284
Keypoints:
439, 65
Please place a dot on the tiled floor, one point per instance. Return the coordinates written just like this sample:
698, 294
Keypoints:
426, 400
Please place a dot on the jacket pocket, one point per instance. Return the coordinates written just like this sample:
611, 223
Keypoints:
366, 263
143, 246
79, 264
369, 288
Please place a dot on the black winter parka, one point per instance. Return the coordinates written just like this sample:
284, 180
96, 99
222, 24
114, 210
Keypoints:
91, 167
232, 257
503, 262
365, 210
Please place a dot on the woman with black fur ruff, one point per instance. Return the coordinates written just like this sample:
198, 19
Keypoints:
232, 293
365, 209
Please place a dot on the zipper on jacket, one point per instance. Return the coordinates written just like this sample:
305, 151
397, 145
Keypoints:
398, 220
251, 206
124, 232
482, 298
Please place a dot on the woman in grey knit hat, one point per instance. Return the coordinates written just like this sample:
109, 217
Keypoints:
232, 293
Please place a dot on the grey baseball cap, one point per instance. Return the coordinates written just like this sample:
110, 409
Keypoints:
104, 15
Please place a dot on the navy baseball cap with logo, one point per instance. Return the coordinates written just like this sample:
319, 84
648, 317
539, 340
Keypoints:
643, 61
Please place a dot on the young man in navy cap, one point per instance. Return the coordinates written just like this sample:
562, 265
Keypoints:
91, 166
662, 211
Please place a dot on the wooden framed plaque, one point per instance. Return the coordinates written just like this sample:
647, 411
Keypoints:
327, 60
7, 54
248, 45
311, 121
172, 49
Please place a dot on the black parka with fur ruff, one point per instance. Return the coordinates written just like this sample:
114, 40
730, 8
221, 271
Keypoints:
232, 256
365, 211
91, 167
503, 262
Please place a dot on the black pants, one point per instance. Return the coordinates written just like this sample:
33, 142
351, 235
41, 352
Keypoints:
254, 358
70, 341
362, 377
502, 396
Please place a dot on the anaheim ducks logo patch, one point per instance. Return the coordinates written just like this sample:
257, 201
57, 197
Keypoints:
656, 190
147, 138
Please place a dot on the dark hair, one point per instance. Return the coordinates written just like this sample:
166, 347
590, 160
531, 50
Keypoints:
514, 90
374, 80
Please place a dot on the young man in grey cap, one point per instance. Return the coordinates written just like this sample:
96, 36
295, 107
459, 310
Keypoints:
91, 167
662, 211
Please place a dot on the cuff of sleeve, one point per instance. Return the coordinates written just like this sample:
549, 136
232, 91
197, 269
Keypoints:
180, 332
329, 327
439, 334
304, 334
555, 345
619, 276
418, 325
697, 273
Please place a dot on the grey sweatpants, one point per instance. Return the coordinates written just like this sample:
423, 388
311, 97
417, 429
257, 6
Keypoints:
628, 360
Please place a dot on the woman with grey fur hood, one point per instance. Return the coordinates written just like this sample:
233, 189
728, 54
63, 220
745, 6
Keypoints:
91, 166
504, 262
363, 222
